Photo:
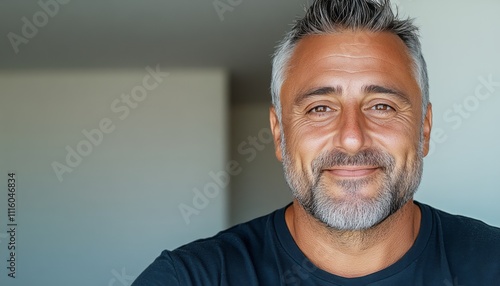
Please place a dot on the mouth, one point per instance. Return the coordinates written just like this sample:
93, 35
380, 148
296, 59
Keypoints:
352, 172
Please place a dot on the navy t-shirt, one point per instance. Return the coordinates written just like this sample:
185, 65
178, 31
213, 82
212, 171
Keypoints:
450, 250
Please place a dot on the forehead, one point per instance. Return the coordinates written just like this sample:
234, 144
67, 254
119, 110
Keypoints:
350, 59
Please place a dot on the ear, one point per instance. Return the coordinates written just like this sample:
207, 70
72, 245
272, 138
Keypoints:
427, 129
276, 130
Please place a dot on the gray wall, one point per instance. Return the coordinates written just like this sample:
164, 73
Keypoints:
116, 207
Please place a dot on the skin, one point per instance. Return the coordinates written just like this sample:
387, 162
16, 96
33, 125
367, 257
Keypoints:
326, 106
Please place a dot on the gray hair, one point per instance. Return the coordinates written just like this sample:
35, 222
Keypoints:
330, 16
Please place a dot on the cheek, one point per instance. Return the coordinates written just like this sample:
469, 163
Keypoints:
305, 142
399, 140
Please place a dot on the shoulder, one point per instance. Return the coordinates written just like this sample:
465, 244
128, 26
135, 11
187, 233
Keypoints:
471, 247
467, 231
227, 256
241, 240
161, 272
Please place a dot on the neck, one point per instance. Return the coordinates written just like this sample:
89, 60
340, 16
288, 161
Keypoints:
354, 253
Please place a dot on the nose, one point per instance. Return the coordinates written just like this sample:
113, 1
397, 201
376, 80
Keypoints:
352, 134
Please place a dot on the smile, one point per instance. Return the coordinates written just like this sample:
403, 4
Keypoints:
352, 171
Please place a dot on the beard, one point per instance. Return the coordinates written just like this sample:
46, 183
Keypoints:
352, 211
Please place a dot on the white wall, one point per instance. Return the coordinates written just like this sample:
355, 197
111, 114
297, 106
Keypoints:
118, 208
461, 44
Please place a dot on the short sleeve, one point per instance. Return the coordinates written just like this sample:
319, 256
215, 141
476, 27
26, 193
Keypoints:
160, 273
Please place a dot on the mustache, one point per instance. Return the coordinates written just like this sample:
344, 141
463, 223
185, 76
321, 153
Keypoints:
367, 157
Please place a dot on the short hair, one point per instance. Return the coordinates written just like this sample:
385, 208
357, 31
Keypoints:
331, 16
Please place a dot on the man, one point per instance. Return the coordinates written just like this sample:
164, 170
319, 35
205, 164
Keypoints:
351, 120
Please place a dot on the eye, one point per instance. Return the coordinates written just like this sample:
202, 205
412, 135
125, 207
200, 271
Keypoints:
382, 107
320, 109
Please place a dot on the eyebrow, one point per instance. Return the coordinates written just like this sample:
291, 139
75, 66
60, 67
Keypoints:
370, 89
337, 90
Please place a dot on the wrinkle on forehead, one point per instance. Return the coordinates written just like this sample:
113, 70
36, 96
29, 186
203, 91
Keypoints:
351, 71
341, 52
351, 57
347, 44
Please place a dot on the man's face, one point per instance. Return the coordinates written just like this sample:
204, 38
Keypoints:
351, 137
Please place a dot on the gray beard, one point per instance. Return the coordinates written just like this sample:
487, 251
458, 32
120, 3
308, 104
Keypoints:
353, 212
